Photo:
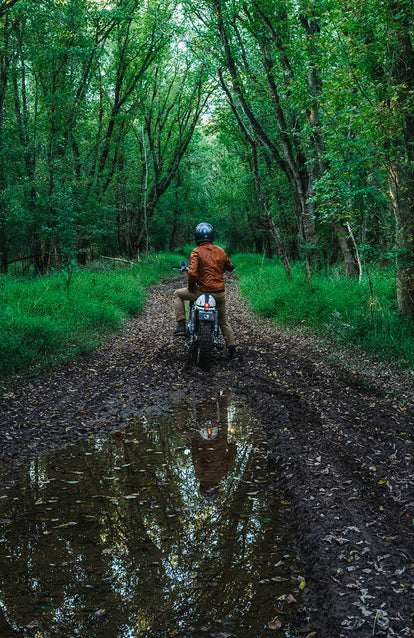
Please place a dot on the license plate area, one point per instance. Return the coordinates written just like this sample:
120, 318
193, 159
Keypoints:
206, 316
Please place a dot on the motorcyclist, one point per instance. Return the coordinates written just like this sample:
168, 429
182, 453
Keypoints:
213, 457
205, 274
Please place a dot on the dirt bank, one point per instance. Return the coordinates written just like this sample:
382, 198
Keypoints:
341, 447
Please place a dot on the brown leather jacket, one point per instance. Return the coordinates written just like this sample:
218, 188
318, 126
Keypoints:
207, 263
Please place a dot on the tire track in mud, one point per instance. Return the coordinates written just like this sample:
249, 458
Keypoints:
347, 471
341, 451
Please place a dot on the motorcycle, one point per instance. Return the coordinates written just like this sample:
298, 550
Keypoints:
212, 450
202, 328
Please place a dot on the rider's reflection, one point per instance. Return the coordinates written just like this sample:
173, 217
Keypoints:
212, 452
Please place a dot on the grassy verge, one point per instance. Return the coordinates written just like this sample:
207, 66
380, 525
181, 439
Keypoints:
55, 318
330, 304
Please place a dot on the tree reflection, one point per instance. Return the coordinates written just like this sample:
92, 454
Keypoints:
122, 538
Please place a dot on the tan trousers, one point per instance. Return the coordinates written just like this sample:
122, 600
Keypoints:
183, 294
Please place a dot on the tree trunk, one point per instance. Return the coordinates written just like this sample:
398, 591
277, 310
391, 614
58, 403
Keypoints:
5, 58
176, 213
250, 139
400, 169
29, 146
301, 173
121, 209
402, 198
350, 260
3, 241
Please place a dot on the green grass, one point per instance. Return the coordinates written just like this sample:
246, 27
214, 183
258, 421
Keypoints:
331, 305
43, 321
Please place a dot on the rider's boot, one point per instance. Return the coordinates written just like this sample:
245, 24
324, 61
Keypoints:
180, 329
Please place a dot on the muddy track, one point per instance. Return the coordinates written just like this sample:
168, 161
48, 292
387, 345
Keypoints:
340, 448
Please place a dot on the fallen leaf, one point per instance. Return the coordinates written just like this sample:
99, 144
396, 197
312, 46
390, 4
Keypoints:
99, 612
69, 524
275, 623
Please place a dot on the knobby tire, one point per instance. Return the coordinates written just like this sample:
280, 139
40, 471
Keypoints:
204, 345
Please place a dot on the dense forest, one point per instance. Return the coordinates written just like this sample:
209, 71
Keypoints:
289, 124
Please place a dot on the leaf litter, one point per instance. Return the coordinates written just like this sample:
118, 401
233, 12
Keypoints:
315, 403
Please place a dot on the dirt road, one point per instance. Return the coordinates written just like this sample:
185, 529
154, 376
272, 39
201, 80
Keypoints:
340, 441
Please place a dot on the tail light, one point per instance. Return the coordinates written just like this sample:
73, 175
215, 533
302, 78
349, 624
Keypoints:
206, 305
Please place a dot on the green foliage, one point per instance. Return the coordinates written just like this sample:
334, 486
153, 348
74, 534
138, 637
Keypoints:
214, 184
44, 322
331, 304
305, 135
97, 106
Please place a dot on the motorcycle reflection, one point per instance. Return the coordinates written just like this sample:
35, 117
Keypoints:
212, 451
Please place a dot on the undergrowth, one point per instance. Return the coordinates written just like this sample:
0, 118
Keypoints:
54, 318
331, 304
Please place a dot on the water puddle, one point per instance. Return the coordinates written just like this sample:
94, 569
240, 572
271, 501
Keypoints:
166, 529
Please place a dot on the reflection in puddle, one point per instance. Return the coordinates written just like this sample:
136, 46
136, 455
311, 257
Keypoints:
168, 529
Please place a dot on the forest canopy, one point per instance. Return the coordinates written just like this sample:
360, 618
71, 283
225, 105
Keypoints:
289, 124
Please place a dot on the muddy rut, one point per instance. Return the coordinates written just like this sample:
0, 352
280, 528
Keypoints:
340, 447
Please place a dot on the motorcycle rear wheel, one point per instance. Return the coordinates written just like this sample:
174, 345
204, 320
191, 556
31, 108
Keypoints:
203, 347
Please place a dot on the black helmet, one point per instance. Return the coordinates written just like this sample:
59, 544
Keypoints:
203, 232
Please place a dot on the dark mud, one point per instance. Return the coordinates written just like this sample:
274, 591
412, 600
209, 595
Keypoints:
340, 448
